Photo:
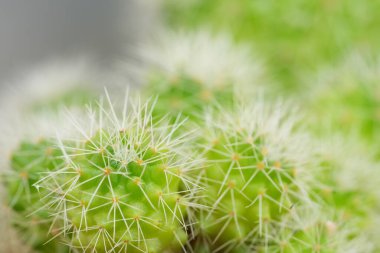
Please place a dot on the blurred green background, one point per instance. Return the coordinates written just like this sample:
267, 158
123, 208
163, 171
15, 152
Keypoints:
294, 36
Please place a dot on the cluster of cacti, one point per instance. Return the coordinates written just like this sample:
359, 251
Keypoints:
205, 160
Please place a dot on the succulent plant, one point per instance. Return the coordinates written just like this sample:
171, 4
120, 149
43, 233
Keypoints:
345, 183
253, 174
188, 96
136, 178
122, 187
28, 162
190, 71
314, 229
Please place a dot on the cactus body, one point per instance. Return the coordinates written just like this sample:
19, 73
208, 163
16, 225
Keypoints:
122, 188
187, 96
250, 176
29, 162
315, 229
190, 71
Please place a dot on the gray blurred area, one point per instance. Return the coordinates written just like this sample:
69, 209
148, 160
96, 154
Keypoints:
34, 31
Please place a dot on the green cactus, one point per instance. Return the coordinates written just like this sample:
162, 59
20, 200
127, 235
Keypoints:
130, 182
346, 183
122, 188
313, 229
28, 162
355, 203
252, 175
187, 96
191, 71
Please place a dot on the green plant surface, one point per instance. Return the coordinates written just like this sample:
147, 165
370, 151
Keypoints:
252, 176
317, 230
190, 71
187, 97
28, 163
346, 184
123, 187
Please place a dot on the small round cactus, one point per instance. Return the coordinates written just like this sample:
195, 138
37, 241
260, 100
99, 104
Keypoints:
252, 176
187, 96
314, 229
28, 162
123, 187
189, 71
346, 183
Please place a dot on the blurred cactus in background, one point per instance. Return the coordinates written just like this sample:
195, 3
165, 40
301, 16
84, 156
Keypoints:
28, 163
294, 36
346, 98
252, 132
346, 184
315, 229
189, 71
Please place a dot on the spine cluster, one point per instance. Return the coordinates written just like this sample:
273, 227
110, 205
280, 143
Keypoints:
251, 177
28, 162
